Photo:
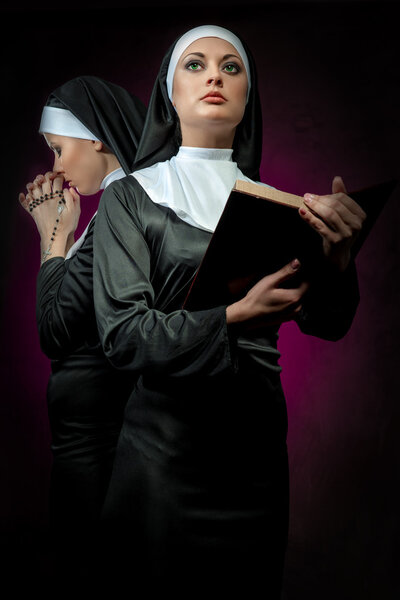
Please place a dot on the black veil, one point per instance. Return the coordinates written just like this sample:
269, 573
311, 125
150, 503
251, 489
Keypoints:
109, 111
160, 139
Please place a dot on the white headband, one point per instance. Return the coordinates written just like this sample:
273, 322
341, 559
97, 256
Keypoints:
61, 121
201, 32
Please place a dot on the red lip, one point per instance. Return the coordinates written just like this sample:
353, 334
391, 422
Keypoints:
216, 95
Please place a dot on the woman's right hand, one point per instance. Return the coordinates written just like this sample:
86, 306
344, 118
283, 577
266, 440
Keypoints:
267, 302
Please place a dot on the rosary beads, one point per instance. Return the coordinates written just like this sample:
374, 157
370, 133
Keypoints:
37, 201
60, 208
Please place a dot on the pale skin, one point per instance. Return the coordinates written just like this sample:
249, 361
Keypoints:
80, 163
209, 95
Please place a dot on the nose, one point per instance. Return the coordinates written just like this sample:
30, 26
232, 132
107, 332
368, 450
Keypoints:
57, 166
215, 79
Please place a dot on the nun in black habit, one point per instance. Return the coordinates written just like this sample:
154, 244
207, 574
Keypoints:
199, 491
93, 126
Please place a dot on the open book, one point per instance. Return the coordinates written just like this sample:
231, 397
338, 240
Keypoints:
259, 232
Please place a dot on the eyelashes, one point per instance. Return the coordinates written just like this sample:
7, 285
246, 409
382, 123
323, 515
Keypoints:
196, 65
232, 68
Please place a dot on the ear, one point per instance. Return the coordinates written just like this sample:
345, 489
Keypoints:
98, 146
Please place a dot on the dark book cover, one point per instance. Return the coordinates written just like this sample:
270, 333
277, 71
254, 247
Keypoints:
258, 233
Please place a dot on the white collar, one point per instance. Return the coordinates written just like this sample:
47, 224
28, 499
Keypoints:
113, 176
195, 184
192, 153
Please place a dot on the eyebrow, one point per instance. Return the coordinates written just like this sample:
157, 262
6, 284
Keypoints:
203, 55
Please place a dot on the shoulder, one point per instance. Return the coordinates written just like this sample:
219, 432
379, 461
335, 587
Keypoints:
126, 192
121, 187
124, 204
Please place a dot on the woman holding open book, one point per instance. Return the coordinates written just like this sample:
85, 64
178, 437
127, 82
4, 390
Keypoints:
198, 498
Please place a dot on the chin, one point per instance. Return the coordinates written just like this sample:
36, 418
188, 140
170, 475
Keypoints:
85, 190
219, 115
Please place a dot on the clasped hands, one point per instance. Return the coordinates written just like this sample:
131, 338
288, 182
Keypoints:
338, 219
42, 203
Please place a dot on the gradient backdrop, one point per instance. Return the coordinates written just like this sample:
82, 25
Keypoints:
330, 87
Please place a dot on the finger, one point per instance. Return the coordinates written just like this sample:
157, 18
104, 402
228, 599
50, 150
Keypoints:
334, 213
36, 191
72, 199
26, 201
23, 200
75, 194
68, 197
58, 181
319, 225
286, 272
338, 185
291, 296
344, 202
339, 201
47, 183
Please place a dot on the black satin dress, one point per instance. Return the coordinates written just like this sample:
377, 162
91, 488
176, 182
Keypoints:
198, 499
86, 398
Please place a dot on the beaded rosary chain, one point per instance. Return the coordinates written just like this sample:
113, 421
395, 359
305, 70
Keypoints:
37, 201
60, 208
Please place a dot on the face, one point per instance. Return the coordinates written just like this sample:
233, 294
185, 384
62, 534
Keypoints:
210, 87
80, 161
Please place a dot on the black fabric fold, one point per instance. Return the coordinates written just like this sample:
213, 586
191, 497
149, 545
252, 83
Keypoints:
113, 114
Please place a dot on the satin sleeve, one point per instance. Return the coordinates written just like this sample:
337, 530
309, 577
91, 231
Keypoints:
64, 302
329, 307
134, 334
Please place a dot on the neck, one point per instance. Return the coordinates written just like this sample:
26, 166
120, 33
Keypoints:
112, 163
208, 137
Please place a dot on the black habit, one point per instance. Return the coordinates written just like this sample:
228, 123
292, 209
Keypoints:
86, 396
198, 499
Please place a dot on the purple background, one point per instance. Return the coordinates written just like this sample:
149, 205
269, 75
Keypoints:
330, 89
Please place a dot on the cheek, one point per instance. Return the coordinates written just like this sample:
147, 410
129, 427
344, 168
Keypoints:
241, 95
241, 89
78, 167
82, 161
185, 91
70, 159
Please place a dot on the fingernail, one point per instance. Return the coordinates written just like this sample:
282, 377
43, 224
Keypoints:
295, 264
303, 211
308, 198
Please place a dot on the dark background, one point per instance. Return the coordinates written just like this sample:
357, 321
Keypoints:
330, 88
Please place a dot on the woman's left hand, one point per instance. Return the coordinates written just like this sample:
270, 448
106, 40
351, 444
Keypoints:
338, 219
